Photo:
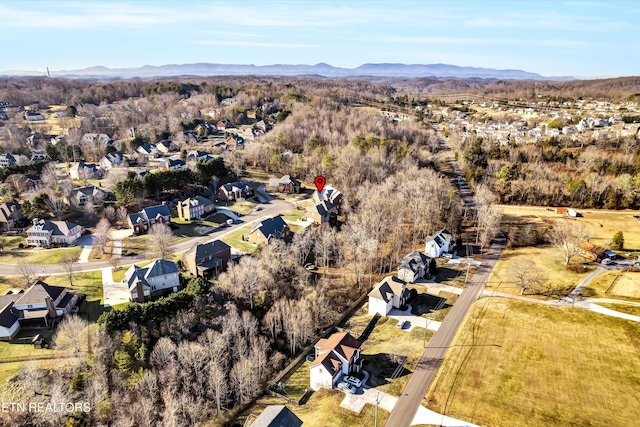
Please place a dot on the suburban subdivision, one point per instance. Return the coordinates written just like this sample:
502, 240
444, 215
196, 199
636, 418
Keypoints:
227, 245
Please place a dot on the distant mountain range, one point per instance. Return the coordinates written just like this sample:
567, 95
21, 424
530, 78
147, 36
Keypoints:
325, 70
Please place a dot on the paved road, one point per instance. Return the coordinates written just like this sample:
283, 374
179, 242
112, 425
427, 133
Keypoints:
409, 402
268, 209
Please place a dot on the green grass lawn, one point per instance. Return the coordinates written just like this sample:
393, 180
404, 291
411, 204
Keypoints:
234, 239
39, 255
86, 282
293, 215
24, 350
524, 364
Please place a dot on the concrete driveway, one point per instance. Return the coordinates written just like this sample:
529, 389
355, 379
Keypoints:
86, 241
413, 321
113, 293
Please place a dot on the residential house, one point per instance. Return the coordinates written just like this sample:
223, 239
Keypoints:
390, 293
593, 252
336, 356
286, 184
174, 164
438, 244
44, 232
194, 208
204, 129
235, 142
82, 171
329, 194
322, 213
208, 259
142, 221
80, 196
33, 116
98, 138
112, 160
24, 182
166, 147
7, 160
274, 416
35, 138
158, 278
263, 126
38, 306
198, 156
224, 124
413, 267
148, 150
39, 156
235, 191
270, 228
10, 215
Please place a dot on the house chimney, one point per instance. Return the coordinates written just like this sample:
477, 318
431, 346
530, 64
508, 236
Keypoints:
50, 308
35, 221
140, 291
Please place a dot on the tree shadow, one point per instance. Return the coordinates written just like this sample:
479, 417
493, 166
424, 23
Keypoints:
382, 367
425, 303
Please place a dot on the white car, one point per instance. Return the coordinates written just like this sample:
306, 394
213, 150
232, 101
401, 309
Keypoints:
401, 324
346, 387
353, 381
607, 261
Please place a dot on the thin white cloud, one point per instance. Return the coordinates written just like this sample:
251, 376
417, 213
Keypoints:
476, 41
547, 20
255, 44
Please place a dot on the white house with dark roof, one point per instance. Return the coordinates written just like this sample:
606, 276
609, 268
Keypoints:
159, 277
38, 306
44, 232
390, 293
142, 221
439, 243
336, 356
82, 170
413, 267
7, 160
115, 159
329, 194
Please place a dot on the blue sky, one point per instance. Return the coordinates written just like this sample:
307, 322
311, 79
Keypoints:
553, 38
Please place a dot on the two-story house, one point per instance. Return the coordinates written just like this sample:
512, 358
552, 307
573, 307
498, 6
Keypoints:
82, 170
44, 232
336, 356
158, 278
235, 190
7, 160
208, 259
142, 221
390, 293
270, 228
194, 208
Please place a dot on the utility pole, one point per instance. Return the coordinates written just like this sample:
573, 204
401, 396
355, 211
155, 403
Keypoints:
376, 414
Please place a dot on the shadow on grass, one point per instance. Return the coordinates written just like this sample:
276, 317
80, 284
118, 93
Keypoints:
91, 310
382, 367
444, 274
425, 303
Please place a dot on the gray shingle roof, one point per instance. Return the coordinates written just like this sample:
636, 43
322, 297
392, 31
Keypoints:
38, 292
202, 251
270, 226
277, 416
57, 228
8, 316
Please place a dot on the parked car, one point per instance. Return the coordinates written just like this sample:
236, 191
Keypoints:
310, 267
447, 255
401, 324
346, 387
354, 381
607, 261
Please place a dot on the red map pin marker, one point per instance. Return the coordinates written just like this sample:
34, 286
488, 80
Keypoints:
320, 181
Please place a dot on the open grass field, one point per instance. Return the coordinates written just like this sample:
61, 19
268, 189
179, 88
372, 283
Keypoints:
601, 224
234, 239
240, 208
38, 255
525, 364
616, 285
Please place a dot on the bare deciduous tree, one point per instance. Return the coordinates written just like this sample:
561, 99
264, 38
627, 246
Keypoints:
69, 263
101, 235
26, 270
72, 335
160, 237
568, 238
527, 275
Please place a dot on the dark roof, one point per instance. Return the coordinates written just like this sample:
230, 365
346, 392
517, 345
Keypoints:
154, 211
161, 267
201, 251
37, 293
8, 316
57, 228
270, 226
413, 261
176, 162
277, 416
